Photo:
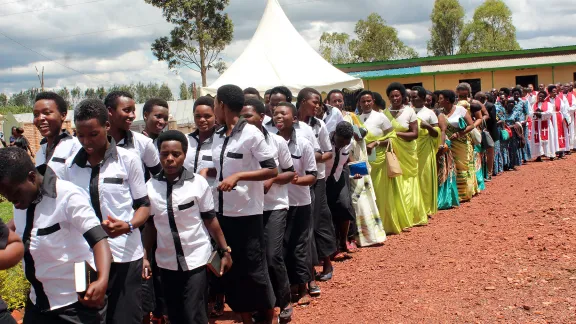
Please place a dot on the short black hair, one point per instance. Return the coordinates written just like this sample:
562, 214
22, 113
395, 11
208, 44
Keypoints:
364, 93
58, 100
232, 96
344, 129
378, 100
543, 92
252, 91
89, 109
420, 91
111, 99
203, 101
173, 135
256, 104
505, 90
396, 86
551, 87
150, 103
289, 105
269, 91
489, 97
519, 90
305, 93
15, 165
283, 91
480, 96
449, 94
333, 92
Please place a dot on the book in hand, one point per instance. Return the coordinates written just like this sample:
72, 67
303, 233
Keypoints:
84, 275
214, 263
360, 168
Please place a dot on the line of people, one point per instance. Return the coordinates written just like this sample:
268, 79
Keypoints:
262, 181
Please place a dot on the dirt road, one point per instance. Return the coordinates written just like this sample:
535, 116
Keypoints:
507, 256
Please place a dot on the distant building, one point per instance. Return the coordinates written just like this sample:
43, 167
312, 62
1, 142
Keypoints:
483, 71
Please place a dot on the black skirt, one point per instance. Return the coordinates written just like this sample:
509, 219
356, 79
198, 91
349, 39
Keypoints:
324, 235
339, 198
247, 285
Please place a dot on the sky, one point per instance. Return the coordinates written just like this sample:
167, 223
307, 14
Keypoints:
90, 43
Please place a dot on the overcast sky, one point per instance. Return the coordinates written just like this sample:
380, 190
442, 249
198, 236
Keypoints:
91, 36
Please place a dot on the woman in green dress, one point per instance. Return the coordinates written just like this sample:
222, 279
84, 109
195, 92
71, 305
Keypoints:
459, 126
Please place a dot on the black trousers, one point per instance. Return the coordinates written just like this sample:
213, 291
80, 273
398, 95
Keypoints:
324, 234
152, 296
247, 285
6, 317
125, 293
340, 204
75, 314
297, 244
186, 294
274, 229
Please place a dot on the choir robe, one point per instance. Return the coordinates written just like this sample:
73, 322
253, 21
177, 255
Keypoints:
570, 98
561, 120
543, 137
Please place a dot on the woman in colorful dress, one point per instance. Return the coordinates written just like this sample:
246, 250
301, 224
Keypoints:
464, 94
512, 117
447, 184
405, 122
458, 128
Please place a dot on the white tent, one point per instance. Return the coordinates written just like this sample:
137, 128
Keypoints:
278, 55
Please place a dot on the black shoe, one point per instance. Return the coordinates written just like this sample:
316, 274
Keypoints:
285, 315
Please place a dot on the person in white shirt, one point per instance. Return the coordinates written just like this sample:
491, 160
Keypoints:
570, 101
561, 120
113, 179
121, 108
297, 238
275, 207
242, 160
331, 116
155, 113
59, 228
182, 210
199, 153
324, 243
50, 112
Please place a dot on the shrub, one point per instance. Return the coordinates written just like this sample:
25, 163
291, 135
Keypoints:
14, 287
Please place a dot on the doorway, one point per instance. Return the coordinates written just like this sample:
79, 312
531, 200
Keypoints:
525, 80
475, 84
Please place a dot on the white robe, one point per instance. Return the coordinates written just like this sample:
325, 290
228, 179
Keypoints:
559, 120
572, 114
544, 148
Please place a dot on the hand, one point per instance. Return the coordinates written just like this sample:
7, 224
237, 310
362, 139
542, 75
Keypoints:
94, 297
455, 136
204, 173
424, 124
295, 179
370, 147
357, 137
267, 185
115, 227
225, 263
229, 183
357, 176
146, 269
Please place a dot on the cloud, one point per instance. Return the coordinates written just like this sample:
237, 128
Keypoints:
68, 32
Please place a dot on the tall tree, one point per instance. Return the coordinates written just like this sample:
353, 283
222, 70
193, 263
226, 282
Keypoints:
201, 33
335, 48
3, 99
221, 67
447, 22
75, 95
101, 93
491, 30
378, 41
165, 93
183, 91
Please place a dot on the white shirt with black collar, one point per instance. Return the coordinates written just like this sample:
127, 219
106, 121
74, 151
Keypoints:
57, 231
322, 136
116, 188
332, 117
64, 146
339, 158
179, 210
302, 154
244, 150
277, 196
301, 128
144, 147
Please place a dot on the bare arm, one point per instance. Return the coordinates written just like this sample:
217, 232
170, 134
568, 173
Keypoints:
412, 132
13, 252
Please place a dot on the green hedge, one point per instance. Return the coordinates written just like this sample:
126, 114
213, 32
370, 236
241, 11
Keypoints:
14, 287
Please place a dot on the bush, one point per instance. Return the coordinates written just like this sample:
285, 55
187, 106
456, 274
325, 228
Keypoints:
14, 287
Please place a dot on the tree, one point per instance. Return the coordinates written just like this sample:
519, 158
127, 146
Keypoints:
3, 99
183, 91
165, 93
447, 23
378, 41
201, 33
76, 95
335, 48
491, 30
101, 93
221, 67
90, 93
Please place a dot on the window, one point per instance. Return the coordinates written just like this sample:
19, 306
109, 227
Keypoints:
475, 84
525, 80
409, 86
574, 76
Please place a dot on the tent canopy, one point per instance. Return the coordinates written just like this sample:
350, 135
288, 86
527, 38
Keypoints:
278, 55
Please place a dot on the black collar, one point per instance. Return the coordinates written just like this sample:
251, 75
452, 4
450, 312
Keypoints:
128, 140
265, 132
237, 128
292, 137
64, 134
270, 122
48, 187
313, 121
81, 158
196, 135
184, 175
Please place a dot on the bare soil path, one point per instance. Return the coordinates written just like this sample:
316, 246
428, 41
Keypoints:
508, 256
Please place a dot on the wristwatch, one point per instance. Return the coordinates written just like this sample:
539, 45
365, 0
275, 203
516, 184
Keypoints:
224, 250
131, 227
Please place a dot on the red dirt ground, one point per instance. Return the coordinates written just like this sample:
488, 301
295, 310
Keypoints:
508, 256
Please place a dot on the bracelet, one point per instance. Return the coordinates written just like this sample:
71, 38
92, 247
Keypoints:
131, 227
221, 252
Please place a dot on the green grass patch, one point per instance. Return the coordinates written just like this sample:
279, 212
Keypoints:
6, 211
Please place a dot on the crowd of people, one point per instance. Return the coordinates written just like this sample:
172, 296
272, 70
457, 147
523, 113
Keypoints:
274, 189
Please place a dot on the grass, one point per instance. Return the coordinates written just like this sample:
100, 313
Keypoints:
6, 211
